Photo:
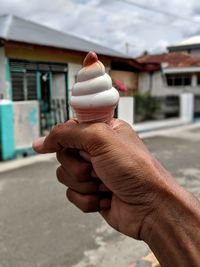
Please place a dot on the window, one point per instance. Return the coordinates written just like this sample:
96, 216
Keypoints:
31, 85
24, 75
198, 79
183, 79
24, 85
18, 85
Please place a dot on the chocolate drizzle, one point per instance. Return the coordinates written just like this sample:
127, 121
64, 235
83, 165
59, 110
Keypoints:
90, 59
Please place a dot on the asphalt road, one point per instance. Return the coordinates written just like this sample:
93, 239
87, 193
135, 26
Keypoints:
39, 228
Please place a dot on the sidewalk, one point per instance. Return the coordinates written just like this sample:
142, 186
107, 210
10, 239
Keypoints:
157, 125
22, 162
144, 130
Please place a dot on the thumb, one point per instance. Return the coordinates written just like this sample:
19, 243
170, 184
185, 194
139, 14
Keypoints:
37, 144
50, 143
86, 137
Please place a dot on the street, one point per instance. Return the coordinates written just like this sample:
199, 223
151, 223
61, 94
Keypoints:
39, 228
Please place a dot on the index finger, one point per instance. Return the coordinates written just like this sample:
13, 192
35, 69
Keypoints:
85, 136
50, 143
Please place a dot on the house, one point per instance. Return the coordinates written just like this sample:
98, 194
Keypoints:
170, 75
38, 66
190, 46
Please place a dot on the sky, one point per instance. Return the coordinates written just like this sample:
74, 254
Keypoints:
129, 26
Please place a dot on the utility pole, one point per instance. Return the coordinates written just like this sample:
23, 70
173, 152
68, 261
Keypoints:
128, 46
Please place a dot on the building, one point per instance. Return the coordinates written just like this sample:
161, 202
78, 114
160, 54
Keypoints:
168, 77
38, 66
190, 46
170, 74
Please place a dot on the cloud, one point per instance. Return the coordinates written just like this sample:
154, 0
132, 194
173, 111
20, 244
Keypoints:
114, 23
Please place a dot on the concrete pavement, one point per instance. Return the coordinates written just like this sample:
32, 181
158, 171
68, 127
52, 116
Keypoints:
39, 228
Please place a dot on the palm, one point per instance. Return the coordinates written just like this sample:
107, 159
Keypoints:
123, 217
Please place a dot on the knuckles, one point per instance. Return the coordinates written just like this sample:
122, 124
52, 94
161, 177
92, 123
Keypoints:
82, 171
57, 129
87, 206
88, 203
60, 174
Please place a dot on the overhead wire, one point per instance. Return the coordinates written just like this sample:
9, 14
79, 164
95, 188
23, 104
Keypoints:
155, 10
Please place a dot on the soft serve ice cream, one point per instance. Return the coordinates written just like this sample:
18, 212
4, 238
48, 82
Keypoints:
93, 97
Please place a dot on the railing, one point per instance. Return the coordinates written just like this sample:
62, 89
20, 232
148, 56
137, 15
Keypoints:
57, 113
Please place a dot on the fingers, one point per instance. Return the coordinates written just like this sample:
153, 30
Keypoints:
91, 138
88, 203
86, 137
87, 187
74, 165
125, 130
78, 174
51, 143
38, 143
86, 192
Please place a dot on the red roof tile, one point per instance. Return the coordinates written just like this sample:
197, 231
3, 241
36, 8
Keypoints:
173, 59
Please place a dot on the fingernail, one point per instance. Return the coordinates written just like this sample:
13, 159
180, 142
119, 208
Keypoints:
38, 143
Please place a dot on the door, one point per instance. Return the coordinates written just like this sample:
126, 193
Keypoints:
45, 102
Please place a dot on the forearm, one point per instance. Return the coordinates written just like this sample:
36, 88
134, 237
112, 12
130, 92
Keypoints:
175, 236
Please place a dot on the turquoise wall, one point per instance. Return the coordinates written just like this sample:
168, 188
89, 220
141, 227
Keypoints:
6, 130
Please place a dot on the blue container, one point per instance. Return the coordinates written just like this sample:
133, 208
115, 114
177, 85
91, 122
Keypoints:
7, 149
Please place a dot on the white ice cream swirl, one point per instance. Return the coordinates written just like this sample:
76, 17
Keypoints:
93, 88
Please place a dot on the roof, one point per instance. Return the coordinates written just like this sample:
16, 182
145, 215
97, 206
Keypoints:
13, 28
192, 41
171, 60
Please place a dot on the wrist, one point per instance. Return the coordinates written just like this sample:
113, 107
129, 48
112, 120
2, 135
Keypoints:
164, 188
172, 231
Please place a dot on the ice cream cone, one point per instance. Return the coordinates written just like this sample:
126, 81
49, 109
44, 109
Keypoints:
93, 97
96, 115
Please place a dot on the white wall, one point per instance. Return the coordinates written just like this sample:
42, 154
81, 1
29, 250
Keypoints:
4, 86
26, 123
187, 107
195, 51
160, 88
72, 72
59, 86
126, 109
143, 81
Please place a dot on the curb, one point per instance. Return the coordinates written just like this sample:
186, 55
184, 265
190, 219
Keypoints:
166, 132
22, 162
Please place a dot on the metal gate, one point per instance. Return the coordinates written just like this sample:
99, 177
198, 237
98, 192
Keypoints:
58, 113
197, 107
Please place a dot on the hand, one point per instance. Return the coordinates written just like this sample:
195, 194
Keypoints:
130, 182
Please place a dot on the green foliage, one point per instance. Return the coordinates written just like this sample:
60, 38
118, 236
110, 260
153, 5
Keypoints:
146, 106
